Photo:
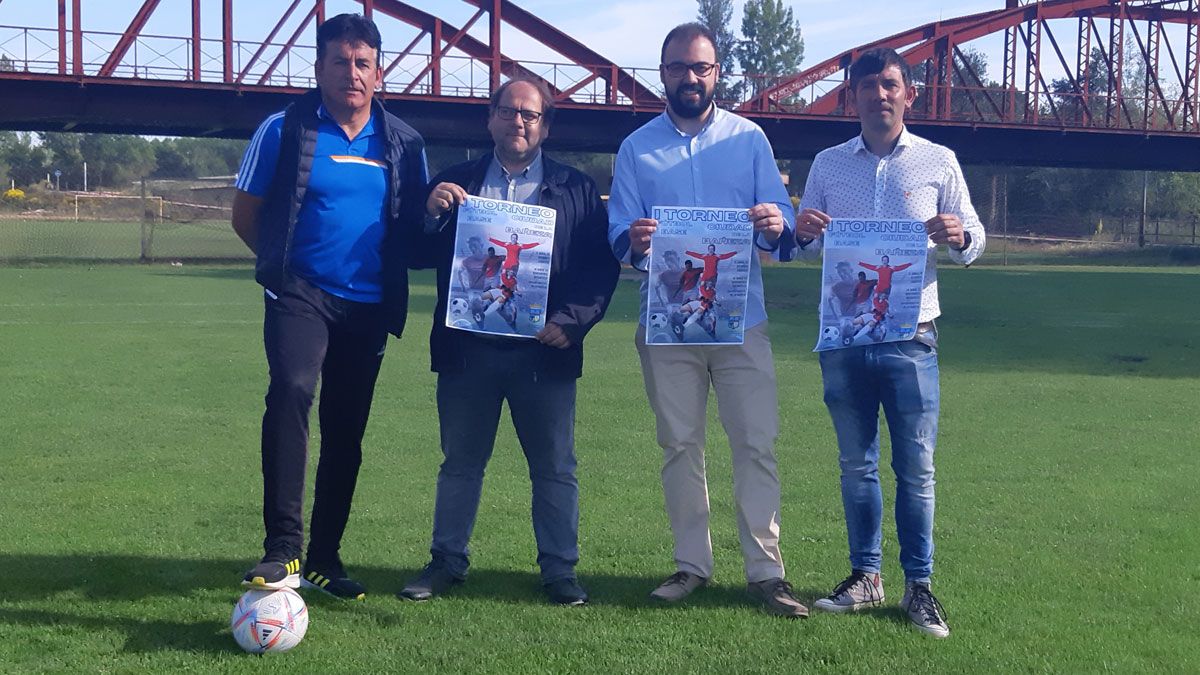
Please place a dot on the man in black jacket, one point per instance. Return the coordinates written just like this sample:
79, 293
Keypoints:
477, 372
329, 198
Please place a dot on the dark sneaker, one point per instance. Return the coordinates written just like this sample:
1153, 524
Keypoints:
433, 580
678, 586
859, 590
924, 610
778, 598
332, 579
278, 569
566, 592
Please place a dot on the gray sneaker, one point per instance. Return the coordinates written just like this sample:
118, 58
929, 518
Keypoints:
924, 610
859, 590
777, 596
678, 586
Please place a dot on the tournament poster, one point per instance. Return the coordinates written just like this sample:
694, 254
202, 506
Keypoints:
871, 282
699, 276
500, 277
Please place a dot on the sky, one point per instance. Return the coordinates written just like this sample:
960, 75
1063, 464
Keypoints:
627, 32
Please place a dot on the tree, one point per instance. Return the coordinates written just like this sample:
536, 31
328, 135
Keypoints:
196, 157
117, 161
65, 156
27, 161
170, 162
772, 45
717, 15
1073, 105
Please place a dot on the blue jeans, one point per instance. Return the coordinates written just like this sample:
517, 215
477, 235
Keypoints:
903, 378
543, 412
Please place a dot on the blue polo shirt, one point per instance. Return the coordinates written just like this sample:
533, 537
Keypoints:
338, 239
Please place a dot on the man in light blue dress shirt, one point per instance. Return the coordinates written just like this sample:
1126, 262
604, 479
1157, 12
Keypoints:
889, 173
696, 154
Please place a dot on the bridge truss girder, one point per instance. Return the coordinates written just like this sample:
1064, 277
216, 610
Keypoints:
1135, 27
619, 85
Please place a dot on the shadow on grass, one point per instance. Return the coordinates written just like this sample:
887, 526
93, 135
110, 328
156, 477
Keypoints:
137, 578
605, 590
141, 636
61, 580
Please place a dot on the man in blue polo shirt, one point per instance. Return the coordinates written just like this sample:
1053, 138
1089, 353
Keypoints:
329, 196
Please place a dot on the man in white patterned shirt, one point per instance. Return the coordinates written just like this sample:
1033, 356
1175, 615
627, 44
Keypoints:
887, 172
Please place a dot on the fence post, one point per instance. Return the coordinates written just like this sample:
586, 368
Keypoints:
147, 228
1004, 215
1142, 220
1195, 217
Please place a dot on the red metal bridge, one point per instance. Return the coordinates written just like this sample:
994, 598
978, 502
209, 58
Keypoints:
1098, 83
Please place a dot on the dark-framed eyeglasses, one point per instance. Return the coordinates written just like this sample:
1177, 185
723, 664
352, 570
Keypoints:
527, 116
679, 69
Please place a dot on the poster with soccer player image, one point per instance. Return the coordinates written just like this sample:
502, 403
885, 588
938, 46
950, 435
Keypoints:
500, 278
699, 275
871, 282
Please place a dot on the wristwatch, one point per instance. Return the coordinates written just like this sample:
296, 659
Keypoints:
966, 241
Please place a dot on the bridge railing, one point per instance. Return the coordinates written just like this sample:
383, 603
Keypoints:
169, 58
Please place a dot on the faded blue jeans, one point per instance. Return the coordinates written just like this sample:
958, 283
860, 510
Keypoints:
543, 412
902, 377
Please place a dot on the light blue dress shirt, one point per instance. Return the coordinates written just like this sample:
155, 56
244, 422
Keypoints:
729, 164
521, 187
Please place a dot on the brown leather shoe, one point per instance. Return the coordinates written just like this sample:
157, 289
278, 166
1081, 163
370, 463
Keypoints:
778, 598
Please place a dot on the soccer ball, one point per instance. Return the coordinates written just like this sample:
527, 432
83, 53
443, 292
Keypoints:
658, 320
459, 307
269, 621
830, 334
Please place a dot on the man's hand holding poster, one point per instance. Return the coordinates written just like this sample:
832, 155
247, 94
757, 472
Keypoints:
699, 275
500, 278
871, 282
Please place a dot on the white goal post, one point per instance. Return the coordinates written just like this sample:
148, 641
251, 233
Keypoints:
150, 204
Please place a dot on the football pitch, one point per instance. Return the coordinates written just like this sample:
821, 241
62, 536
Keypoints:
1068, 523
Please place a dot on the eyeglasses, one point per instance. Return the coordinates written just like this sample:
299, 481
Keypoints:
678, 69
527, 116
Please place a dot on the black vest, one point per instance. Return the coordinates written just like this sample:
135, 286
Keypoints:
404, 154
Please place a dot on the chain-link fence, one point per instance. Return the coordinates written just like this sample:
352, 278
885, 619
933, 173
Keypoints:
190, 220
161, 220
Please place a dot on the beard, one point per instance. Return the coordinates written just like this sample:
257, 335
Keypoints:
686, 109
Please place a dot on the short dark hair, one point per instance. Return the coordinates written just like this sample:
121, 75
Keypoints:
352, 28
875, 61
689, 32
542, 90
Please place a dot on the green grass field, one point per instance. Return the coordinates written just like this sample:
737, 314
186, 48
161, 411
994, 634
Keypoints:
1067, 527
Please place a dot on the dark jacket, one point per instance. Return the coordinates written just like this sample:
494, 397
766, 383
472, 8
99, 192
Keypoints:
404, 155
583, 271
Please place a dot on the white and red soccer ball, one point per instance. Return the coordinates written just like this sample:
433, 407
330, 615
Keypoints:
269, 621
